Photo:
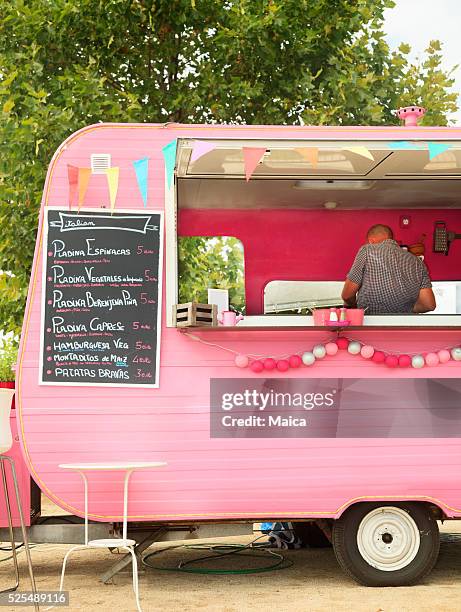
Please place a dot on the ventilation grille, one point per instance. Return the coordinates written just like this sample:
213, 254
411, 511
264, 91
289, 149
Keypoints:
100, 162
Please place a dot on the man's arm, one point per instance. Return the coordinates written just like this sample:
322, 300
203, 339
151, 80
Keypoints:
425, 301
349, 293
354, 279
426, 298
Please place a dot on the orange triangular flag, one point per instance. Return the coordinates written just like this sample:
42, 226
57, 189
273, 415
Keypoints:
251, 158
72, 176
83, 180
112, 180
310, 154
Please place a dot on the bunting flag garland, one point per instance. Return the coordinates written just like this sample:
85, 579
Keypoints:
72, 176
141, 168
251, 158
169, 155
360, 150
200, 148
310, 154
112, 181
84, 175
329, 348
402, 145
435, 148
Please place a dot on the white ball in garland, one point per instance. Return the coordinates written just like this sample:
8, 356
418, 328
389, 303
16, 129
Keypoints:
319, 351
354, 347
456, 353
241, 361
367, 351
308, 358
417, 361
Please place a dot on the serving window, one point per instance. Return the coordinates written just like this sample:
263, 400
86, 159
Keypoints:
302, 218
211, 262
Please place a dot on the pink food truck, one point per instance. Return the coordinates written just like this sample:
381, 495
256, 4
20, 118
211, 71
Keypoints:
299, 410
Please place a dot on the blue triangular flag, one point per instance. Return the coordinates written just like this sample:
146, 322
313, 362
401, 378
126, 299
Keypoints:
402, 145
141, 167
435, 148
169, 155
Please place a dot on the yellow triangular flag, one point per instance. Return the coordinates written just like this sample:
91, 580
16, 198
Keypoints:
363, 151
112, 181
310, 154
84, 175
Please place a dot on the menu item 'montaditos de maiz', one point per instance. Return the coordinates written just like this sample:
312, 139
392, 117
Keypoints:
102, 298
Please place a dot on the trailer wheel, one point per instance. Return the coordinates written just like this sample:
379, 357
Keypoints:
383, 544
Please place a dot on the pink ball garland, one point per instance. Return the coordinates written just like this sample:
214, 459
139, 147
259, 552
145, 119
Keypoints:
331, 348
392, 361
378, 357
367, 351
444, 356
432, 359
282, 365
342, 343
295, 361
257, 366
404, 361
241, 361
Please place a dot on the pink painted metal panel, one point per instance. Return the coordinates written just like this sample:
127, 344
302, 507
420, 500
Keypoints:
210, 478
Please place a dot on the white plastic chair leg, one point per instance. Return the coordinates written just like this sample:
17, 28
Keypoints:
135, 575
81, 547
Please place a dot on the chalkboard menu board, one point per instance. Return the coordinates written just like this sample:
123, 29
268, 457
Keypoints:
102, 298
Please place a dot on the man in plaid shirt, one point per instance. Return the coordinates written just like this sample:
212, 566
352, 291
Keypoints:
386, 279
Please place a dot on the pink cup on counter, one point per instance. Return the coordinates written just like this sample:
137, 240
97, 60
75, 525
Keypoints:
355, 316
321, 316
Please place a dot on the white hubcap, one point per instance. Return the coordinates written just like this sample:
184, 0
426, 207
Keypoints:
388, 538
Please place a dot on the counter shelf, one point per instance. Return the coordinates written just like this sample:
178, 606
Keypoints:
317, 328
410, 322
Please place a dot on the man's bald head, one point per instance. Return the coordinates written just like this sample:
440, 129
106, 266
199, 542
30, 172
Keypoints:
378, 233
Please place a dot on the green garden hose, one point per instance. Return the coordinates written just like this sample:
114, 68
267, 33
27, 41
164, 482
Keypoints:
221, 551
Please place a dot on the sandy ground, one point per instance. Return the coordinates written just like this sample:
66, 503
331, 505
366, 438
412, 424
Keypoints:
313, 583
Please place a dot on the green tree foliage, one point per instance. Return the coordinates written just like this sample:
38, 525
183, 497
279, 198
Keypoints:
65, 64
8, 356
215, 262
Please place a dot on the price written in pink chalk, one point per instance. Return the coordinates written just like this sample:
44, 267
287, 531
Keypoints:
146, 299
142, 250
138, 359
141, 374
138, 325
149, 277
142, 346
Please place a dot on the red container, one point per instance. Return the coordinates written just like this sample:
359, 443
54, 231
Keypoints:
355, 316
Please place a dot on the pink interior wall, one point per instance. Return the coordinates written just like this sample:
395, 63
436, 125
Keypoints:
315, 245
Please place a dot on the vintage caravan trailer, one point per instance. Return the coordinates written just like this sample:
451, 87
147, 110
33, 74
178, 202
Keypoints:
355, 425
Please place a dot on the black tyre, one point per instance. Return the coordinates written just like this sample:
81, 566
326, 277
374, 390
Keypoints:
386, 544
